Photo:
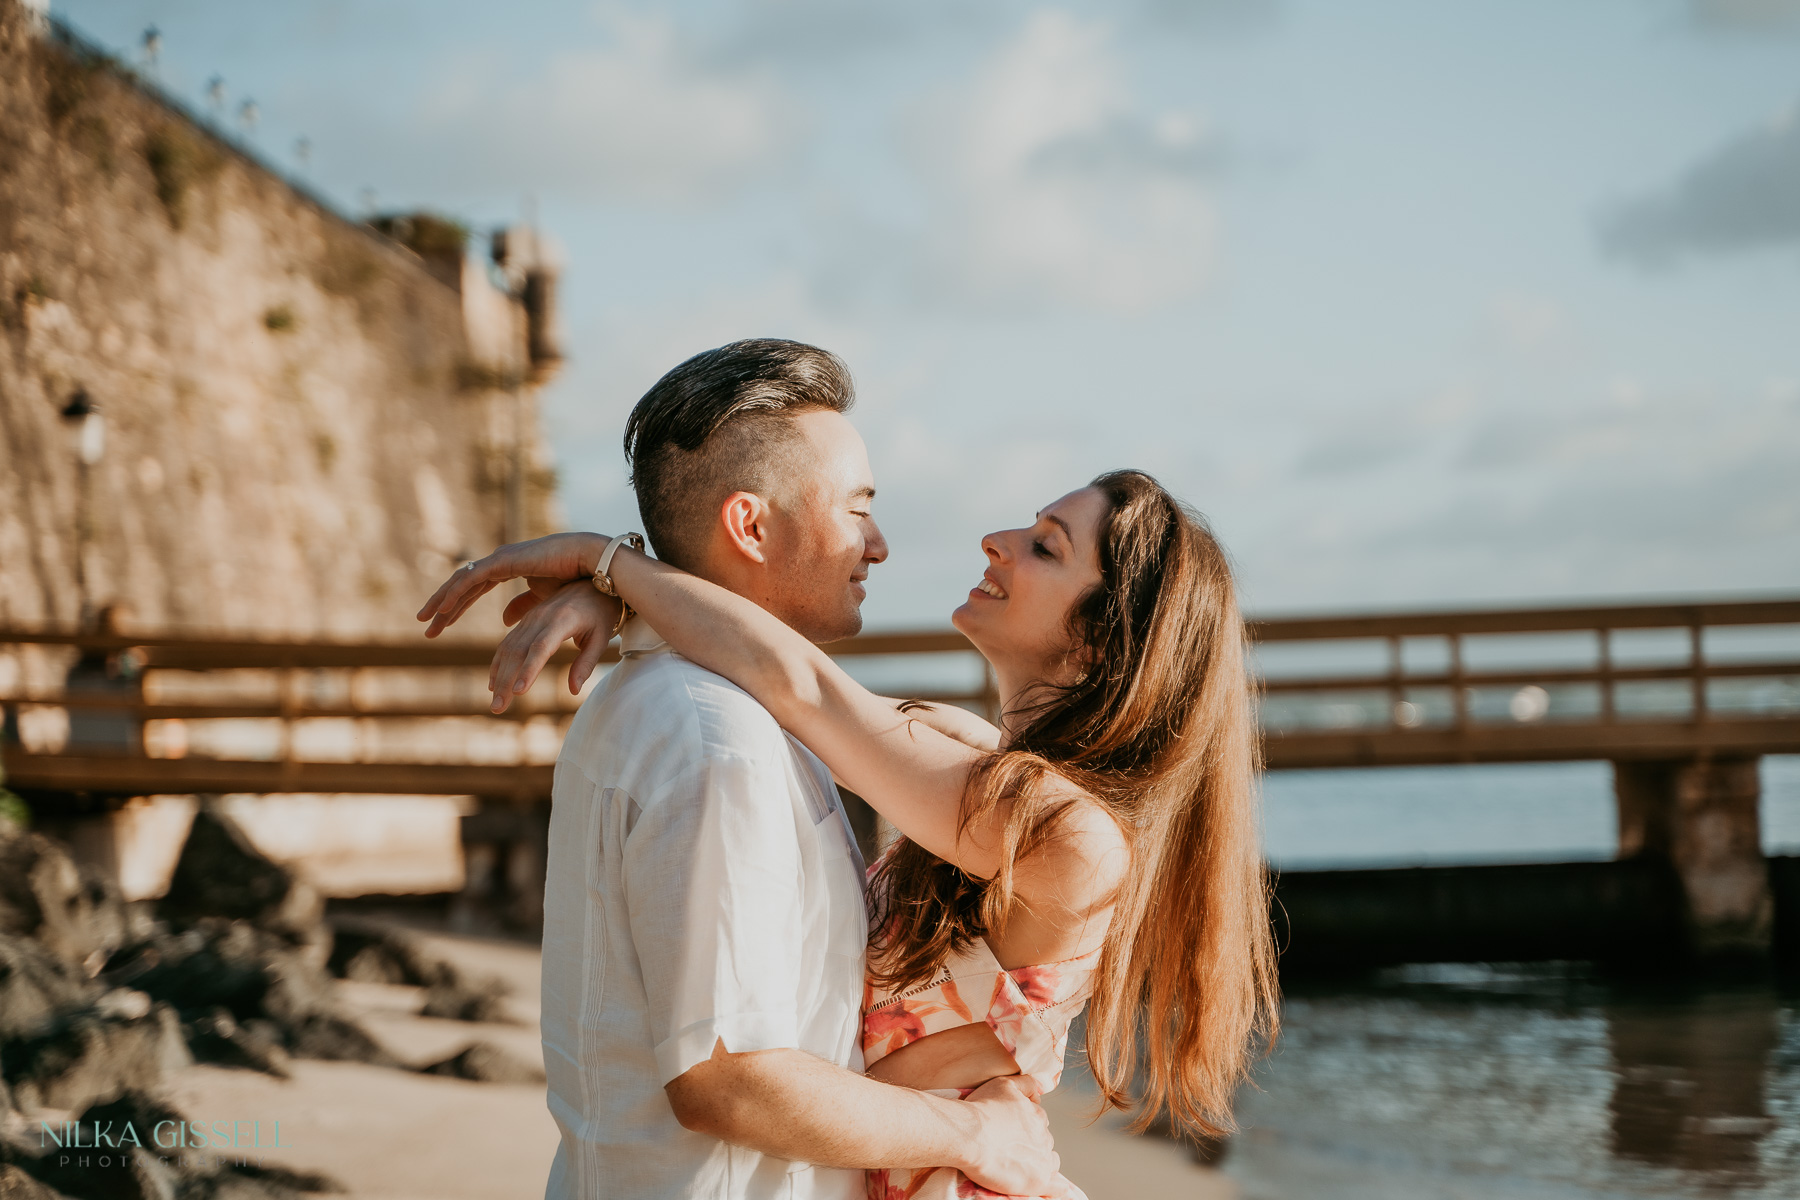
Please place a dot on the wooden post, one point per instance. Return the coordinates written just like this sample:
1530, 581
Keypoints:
1701, 818
1396, 668
288, 707
1609, 710
1697, 659
1459, 698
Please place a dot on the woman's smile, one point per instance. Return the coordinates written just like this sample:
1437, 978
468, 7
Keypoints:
987, 587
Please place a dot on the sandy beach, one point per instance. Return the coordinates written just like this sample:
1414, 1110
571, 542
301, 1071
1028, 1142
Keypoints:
390, 1135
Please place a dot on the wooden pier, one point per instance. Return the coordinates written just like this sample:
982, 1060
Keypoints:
1681, 697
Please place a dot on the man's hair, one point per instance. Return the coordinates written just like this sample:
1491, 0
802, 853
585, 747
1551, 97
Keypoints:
720, 423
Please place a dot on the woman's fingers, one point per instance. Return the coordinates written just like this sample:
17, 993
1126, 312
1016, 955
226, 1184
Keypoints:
538, 653
454, 597
560, 556
462, 589
502, 667
518, 606
451, 590
586, 659
576, 611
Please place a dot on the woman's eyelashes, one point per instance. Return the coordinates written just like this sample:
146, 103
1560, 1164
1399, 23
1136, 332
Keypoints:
1041, 550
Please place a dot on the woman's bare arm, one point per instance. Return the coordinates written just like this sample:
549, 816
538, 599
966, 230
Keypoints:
908, 771
902, 764
953, 721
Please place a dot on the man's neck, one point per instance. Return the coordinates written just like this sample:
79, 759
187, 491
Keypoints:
751, 584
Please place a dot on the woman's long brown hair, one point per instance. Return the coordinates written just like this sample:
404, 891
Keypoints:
1161, 731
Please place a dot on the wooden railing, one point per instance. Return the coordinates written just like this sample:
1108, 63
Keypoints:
1395, 712
1603, 623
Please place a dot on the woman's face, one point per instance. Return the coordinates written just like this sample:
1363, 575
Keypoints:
1018, 615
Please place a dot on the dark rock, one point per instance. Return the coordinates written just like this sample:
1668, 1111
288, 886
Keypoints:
221, 874
218, 964
16, 1184
484, 1000
150, 1173
485, 1062
292, 1181
335, 1038
258, 980
35, 985
370, 953
230, 964
89, 1055
43, 896
219, 1039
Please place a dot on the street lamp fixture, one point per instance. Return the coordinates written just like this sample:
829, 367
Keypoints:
89, 425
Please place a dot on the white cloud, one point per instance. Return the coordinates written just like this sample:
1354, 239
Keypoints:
627, 348
1045, 179
642, 117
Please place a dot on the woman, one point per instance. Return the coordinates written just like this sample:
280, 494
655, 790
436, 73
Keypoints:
1099, 847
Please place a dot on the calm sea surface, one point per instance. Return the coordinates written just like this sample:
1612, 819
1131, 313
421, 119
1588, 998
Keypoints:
1481, 1083
1530, 812
1476, 1084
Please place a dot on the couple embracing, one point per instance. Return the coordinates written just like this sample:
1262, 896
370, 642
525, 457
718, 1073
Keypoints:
734, 1006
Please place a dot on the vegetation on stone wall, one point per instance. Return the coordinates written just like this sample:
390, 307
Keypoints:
427, 234
179, 160
347, 268
68, 81
69, 85
480, 377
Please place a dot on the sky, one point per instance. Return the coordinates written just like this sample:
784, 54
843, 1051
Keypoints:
1421, 304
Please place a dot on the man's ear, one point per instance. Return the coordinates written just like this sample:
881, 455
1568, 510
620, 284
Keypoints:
745, 516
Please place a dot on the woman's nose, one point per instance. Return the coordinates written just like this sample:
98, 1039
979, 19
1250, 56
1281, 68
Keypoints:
991, 544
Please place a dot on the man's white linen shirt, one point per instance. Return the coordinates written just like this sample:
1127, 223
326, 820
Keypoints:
703, 886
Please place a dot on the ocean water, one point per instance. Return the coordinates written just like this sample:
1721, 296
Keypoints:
1524, 812
1470, 1082
1494, 1083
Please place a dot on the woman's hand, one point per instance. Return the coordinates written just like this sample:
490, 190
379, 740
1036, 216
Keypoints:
552, 613
561, 556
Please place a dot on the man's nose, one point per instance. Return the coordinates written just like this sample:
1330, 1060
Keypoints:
875, 547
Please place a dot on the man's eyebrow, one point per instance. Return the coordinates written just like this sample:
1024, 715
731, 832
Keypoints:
866, 492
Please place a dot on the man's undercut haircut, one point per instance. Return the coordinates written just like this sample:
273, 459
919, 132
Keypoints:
719, 424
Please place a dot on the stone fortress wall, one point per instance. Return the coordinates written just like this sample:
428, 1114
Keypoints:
306, 423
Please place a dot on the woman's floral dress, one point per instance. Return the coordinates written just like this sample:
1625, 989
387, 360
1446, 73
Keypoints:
1029, 1009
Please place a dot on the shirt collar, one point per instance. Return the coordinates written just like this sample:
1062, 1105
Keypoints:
638, 638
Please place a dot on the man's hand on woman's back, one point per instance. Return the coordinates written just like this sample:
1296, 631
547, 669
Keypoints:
1014, 1154
790, 1104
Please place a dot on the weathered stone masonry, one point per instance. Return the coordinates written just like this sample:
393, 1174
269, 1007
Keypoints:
306, 423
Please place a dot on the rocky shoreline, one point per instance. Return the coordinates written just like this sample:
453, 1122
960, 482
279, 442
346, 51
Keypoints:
102, 1001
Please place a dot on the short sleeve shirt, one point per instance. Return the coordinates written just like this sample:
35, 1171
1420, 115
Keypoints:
703, 886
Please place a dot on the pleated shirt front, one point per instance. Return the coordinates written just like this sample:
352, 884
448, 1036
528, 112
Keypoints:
703, 886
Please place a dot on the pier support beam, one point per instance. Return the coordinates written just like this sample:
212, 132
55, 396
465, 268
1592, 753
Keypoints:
1702, 818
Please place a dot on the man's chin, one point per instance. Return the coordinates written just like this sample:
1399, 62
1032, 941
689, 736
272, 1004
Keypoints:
845, 625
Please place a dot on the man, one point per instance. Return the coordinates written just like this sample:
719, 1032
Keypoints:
704, 929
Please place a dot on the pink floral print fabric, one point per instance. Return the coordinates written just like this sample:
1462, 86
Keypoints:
1028, 1008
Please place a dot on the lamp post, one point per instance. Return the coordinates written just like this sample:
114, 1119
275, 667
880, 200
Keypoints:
87, 429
